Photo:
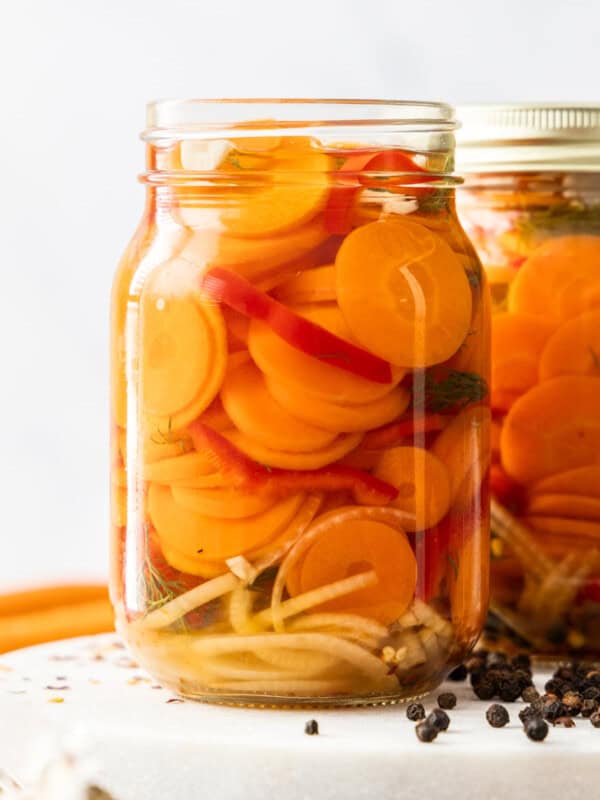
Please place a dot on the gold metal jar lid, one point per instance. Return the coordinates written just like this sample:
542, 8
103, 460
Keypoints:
528, 137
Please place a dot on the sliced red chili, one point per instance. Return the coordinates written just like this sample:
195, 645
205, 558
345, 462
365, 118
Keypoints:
225, 286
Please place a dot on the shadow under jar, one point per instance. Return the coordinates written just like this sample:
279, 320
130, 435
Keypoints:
299, 405
531, 204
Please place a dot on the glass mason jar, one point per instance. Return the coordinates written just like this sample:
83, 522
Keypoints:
531, 204
299, 405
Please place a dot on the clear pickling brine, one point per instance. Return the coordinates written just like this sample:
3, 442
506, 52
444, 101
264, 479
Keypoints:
300, 411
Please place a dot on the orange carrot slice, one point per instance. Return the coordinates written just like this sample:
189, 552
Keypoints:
297, 190
311, 286
253, 258
287, 459
581, 481
214, 539
422, 482
360, 546
469, 583
336, 417
186, 467
574, 349
417, 309
225, 503
517, 344
572, 506
183, 346
563, 526
278, 359
463, 446
253, 410
559, 280
552, 428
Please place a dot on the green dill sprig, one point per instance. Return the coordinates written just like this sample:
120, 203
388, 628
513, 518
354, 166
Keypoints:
170, 437
153, 588
457, 390
567, 217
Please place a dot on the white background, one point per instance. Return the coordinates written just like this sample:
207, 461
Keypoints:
75, 77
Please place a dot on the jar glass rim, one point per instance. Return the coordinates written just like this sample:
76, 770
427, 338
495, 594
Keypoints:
207, 118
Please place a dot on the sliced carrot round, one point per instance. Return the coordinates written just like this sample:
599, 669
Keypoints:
563, 526
192, 565
298, 188
422, 481
517, 344
559, 280
574, 349
287, 459
360, 546
253, 258
463, 446
214, 539
580, 481
310, 286
183, 346
416, 309
227, 503
185, 467
336, 417
277, 359
572, 506
552, 428
257, 414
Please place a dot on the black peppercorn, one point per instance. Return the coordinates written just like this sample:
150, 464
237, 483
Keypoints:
485, 690
527, 713
595, 719
447, 700
415, 712
458, 673
588, 707
439, 719
311, 728
426, 732
524, 678
536, 729
572, 702
497, 716
521, 661
552, 711
554, 686
509, 689
529, 694
591, 693
565, 722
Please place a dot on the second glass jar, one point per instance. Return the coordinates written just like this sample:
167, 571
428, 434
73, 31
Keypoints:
531, 203
299, 406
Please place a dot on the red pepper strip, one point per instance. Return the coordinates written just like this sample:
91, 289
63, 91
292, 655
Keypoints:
405, 429
366, 489
225, 286
337, 212
398, 161
250, 475
229, 460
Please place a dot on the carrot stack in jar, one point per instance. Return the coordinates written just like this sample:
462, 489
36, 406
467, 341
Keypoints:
300, 410
531, 204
